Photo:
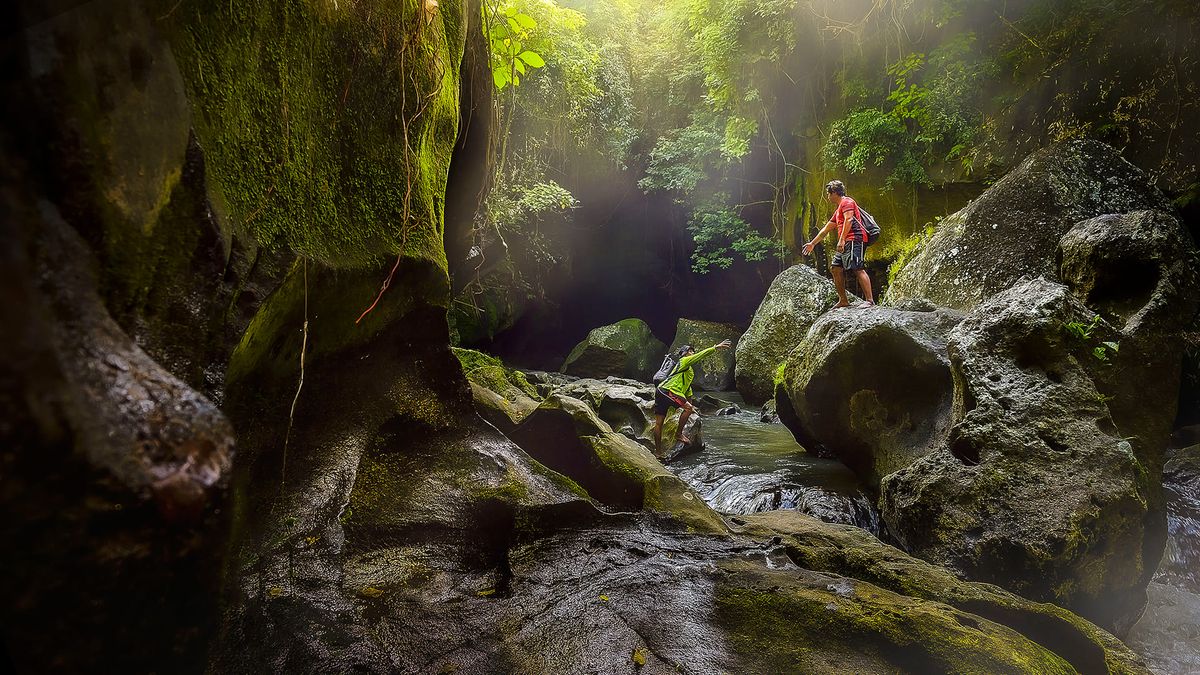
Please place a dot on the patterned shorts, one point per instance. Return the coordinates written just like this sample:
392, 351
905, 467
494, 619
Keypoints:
852, 257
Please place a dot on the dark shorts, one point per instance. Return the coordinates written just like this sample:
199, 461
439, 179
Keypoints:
665, 400
852, 258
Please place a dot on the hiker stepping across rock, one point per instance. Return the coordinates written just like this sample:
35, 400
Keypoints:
675, 388
855, 232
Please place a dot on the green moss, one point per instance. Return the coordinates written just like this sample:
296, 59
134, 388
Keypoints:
827, 625
490, 372
327, 128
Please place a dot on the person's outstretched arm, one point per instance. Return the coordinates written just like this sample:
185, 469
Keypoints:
689, 360
820, 235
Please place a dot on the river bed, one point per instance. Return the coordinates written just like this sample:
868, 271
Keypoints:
1168, 635
748, 466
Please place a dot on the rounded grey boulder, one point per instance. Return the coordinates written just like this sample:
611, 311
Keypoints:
623, 349
870, 388
1013, 229
793, 302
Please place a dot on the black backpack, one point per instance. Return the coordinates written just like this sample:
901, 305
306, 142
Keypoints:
870, 226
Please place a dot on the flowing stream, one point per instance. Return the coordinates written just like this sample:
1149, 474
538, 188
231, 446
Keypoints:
1168, 635
748, 466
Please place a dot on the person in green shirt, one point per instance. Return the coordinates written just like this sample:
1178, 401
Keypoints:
675, 390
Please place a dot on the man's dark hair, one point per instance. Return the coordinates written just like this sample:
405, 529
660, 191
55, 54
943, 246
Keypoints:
682, 352
836, 186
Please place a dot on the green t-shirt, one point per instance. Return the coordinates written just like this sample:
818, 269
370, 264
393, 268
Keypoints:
680, 382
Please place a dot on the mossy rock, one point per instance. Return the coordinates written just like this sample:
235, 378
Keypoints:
502, 396
855, 553
714, 372
816, 623
566, 435
623, 349
793, 302
327, 129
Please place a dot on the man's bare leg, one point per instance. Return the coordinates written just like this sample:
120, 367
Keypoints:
839, 282
683, 418
658, 422
864, 283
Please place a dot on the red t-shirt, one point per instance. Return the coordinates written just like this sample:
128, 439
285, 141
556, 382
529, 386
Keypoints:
849, 221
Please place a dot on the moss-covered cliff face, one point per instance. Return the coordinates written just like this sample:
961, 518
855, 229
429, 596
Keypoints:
191, 154
328, 128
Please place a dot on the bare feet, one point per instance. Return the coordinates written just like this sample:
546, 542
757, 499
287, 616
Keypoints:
683, 439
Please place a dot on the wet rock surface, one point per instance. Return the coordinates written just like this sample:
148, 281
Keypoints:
871, 388
1013, 229
1036, 487
793, 302
624, 349
714, 372
113, 471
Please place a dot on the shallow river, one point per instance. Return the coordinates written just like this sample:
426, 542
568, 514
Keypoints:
748, 466
1168, 636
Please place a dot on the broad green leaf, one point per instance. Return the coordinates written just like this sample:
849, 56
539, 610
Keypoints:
532, 59
526, 21
516, 27
520, 67
500, 77
510, 11
498, 31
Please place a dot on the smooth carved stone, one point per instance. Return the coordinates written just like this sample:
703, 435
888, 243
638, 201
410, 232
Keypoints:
871, 388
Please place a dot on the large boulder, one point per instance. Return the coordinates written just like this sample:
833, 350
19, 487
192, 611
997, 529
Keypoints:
1038, 487
1013, 228
1139, 270
871, 388
502, 396
793, 302
715, 372
623, 349
566, 435
628, 407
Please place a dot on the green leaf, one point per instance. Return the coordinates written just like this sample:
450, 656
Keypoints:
510, 11
516, 27
520, 67
526, 21
531, 59
1112, 345
500, 77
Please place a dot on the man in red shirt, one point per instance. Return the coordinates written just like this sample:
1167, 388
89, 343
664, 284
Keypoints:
852, 242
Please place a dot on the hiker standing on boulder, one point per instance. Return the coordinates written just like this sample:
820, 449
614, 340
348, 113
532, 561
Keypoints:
852, 242
675, 390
